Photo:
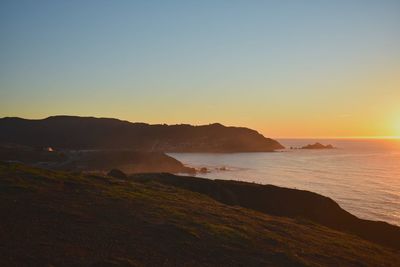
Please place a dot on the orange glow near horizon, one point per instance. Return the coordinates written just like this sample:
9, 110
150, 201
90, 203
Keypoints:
397, 129
335, 127
331, 70
352, 108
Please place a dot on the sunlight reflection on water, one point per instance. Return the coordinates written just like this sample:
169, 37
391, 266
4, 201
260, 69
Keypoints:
363, 176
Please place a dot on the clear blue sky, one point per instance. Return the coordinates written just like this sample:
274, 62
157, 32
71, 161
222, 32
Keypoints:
286, 68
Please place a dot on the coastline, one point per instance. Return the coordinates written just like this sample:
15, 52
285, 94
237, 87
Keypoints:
158, 219
360, 176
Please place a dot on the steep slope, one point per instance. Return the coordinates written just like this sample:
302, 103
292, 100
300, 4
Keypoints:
287, 202
98, 133
60, 219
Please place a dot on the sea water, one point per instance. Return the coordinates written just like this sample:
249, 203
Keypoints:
362, 175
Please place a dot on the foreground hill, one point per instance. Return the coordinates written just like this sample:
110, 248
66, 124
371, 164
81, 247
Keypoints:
70, 132
286, 202
58, 219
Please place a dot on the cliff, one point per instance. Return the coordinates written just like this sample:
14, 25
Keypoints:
286, 202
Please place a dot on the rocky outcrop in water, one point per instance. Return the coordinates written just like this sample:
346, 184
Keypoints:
317, 146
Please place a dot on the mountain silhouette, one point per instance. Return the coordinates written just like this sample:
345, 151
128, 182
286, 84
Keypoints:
72, 132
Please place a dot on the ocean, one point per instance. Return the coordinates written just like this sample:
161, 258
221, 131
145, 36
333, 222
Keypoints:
362, 175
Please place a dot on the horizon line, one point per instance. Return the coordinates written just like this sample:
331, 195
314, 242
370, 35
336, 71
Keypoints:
226, 125
339, 137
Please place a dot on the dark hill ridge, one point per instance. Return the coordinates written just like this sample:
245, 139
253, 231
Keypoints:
94, 160
52, 218
70, 132
127, 161
286, 202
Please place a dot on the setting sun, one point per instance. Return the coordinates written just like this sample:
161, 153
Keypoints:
397, 130
199, 133
394, 126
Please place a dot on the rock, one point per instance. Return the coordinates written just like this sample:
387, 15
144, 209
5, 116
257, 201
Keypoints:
203, 170
317, 146
117, 174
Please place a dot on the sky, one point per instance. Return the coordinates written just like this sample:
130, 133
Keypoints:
300, 68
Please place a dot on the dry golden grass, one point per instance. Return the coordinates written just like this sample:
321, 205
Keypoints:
61, 219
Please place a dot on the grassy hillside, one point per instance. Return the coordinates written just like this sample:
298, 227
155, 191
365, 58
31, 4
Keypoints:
292, 203
56, 218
